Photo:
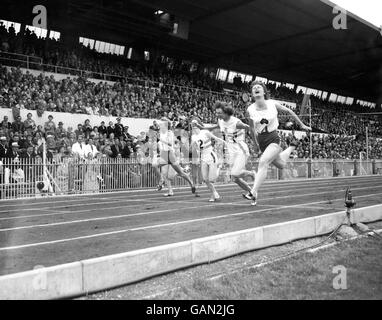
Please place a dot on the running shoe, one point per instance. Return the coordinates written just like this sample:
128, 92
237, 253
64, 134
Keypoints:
248, 196
193, 190
217, 199
159, 187
170, 194
254, 200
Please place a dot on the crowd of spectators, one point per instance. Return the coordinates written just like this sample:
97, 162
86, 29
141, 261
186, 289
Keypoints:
335, 147
148, 90
125, 99
23, 138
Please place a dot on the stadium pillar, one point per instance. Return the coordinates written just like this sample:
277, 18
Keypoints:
280, 174
309, 163
374, 166
335, 173
355, 168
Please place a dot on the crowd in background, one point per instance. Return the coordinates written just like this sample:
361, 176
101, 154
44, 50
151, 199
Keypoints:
147, 90
23, 138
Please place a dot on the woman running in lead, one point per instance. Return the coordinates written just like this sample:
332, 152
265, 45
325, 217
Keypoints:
202, 140
167, 152
233, 131
263, 116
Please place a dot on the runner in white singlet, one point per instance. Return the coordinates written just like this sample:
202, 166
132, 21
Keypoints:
233, 131
263, 119
167, 153
202, 142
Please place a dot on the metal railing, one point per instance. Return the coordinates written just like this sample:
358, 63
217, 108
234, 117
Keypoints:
28, 178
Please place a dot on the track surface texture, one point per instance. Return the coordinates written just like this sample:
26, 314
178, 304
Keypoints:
52, 231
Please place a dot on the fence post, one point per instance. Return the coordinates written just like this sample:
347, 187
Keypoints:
309, 162
280, 174
335, 174
355, 168
374, 166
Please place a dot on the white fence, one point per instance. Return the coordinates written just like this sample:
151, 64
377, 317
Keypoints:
28, 178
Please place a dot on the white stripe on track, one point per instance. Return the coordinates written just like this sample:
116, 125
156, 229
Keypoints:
162, 225
159, 197
153, 212
143, 193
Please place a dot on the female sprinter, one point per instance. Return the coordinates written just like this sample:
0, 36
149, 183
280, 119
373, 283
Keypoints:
167, 152
233, 130
169, 174
202, 140
263, 116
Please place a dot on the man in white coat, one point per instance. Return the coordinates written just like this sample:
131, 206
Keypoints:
79, 148
91, 148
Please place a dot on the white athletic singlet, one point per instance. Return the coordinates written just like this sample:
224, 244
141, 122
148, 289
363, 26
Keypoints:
165, 139
264, 120
204, 141
207, 153
234, 137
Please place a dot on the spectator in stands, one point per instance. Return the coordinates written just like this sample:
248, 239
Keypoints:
94, 134
154, 126
87, 129
18, 125
102, 128
126, 136
118, 128
79, 131
5, 124
106, 150
115, 148
91, 148
50, 126
51, 143
28, 143
78, 148
3, 147
29, 153
40, 130
60, 155
110, 128
70, 140
61, 133
29, 123
14, 137
125, 150
14, 151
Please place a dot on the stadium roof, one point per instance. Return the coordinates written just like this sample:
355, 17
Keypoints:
284, 40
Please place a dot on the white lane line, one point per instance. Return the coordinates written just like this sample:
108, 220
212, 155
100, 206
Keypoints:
158, 226
274, 185
103, 218
175, 209
277, 206
157, 198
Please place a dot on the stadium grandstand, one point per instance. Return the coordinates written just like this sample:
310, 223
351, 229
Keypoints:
82, 95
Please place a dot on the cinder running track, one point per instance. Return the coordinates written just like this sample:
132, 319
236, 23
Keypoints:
51, 231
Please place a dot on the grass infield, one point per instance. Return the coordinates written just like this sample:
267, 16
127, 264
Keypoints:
307, 276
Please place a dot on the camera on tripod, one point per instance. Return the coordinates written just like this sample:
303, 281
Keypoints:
349, 201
